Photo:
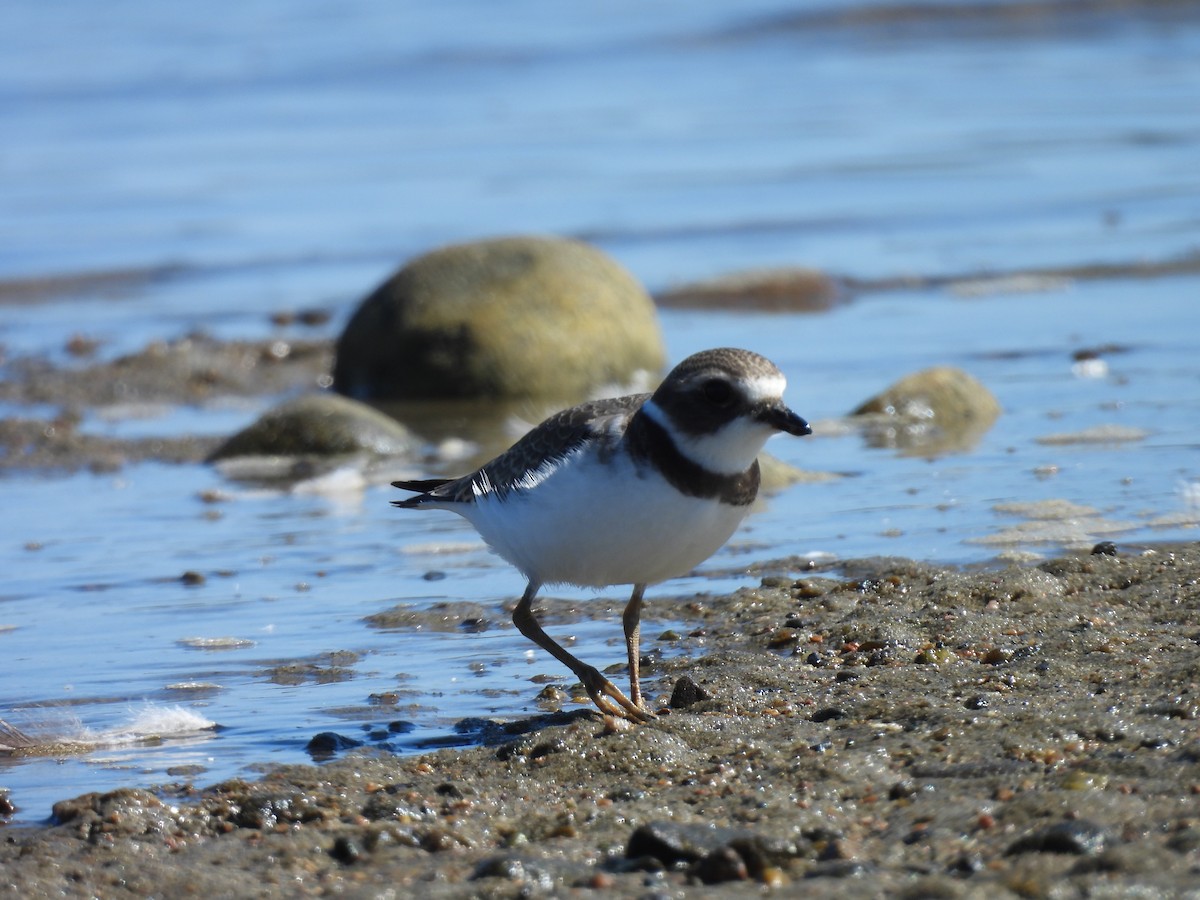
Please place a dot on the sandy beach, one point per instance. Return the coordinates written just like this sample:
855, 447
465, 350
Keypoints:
887, 729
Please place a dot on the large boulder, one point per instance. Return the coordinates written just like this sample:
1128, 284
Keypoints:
512, 318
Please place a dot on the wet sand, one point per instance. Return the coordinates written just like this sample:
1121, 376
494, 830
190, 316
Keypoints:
886, 728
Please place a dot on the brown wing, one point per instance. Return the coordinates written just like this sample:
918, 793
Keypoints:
554, 439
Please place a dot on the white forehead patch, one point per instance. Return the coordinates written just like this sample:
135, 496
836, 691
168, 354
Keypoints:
765, 387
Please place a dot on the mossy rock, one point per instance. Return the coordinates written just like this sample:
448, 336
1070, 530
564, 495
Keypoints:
508, 318
321, 424
938, 410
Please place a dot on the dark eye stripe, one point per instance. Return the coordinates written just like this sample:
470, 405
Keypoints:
717, 390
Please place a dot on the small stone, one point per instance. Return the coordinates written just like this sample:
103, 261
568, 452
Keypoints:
807, 590
721, 864
829, 713
127, 809
329, 742
1079, 780
1105, 548
534, 880
548, 748
935, 656
625, 794
438, 840
346, 850
686, 693
671, 843
507, 867
1078, 836
783, 637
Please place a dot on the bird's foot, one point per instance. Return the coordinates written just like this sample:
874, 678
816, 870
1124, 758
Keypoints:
610, 701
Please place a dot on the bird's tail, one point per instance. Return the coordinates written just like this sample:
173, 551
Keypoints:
421, 487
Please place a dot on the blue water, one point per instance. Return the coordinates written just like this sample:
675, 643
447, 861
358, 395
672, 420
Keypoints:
265, 156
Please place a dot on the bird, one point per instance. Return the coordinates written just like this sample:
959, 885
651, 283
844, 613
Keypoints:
627, 490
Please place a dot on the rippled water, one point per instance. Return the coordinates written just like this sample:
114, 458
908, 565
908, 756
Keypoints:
284, 156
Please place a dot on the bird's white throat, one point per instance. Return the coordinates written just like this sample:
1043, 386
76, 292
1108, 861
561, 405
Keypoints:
730, 450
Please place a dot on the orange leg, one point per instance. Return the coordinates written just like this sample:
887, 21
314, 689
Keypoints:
604, 693
632, 620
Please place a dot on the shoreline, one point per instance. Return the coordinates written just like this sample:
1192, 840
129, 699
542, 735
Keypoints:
901, 727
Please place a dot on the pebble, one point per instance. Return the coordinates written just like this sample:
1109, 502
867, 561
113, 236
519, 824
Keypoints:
327, 743
1077, 836
829, 713
686, 693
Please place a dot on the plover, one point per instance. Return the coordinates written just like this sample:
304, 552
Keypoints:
630, 490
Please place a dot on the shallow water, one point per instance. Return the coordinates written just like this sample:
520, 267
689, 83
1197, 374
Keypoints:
286, 157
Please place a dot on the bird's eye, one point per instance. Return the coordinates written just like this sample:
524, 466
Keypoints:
718, 392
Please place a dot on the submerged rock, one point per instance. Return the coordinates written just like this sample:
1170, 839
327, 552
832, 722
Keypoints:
936, 410
518, 317
778, 475
325, 744
319, 425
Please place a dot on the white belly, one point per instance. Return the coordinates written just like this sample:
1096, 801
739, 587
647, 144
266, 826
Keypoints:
593, 524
